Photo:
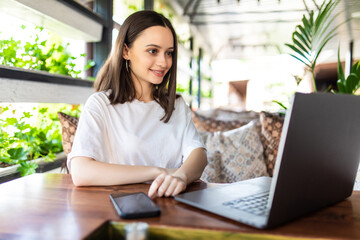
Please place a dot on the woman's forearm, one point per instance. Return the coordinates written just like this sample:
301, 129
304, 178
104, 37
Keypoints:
86, 171
193, 167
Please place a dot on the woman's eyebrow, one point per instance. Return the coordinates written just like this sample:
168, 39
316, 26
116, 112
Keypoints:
157, 46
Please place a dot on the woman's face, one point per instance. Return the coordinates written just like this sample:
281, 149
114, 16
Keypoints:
150, 56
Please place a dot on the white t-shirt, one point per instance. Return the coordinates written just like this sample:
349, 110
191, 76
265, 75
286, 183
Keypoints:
132, 133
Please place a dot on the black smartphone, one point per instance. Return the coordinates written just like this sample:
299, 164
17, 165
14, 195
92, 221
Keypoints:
134, 205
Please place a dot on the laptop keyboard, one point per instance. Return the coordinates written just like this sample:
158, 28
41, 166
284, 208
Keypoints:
255, 204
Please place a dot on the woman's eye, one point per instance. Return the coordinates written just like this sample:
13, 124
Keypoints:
152, 51
169, 53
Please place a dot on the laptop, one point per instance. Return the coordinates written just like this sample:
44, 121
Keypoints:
316, 166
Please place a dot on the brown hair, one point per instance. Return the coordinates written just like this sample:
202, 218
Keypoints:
114, 75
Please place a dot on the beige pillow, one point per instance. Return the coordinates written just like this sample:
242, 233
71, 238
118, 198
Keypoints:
234, 155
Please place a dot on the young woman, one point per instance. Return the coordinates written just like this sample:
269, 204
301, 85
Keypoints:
135, 128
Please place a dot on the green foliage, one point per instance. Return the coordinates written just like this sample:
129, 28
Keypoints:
22, 142
185, 89
132, 6
24, 139
310, 37
27, 168
181, 89
282, 106
350, 84
40, 54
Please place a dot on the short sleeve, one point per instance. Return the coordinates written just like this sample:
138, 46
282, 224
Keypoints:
192, 139
90, 137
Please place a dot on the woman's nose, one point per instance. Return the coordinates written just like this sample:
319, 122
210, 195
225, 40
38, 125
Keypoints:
161, 61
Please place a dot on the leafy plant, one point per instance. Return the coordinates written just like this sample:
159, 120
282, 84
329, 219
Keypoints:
40, 54
21, 142
350, 84
310, 37
281, 105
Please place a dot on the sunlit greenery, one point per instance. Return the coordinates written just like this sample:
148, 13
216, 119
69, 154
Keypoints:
31, 134
45, 53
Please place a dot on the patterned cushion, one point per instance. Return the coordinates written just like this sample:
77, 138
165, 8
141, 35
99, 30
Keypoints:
222, 120
69, 125
234, 155
271, 127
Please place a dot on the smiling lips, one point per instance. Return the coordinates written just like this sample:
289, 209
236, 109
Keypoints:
158, 73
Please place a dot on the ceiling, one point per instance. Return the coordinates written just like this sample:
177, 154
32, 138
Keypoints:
244, 29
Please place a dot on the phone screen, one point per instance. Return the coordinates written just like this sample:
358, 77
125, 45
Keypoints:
135, 205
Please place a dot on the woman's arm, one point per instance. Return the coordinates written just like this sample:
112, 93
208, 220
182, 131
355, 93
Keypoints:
172, 184
86, 171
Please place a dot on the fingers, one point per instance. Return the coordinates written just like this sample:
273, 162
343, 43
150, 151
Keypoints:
172, 186
166, 185
155, 185
179, 188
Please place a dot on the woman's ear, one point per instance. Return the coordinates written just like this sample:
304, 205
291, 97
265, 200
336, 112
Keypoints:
126, 52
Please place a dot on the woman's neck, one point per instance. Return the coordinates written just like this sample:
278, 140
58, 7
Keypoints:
144, 91
142, 98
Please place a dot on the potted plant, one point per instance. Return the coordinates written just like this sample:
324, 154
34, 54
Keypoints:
351, 83
311, 36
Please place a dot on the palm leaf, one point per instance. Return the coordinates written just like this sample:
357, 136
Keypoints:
310, 37
297, 51
300, 60
319, 51
324, 13
302, 39
326, 25
304, 33
340, 71
280, 104
298, 44
308, 24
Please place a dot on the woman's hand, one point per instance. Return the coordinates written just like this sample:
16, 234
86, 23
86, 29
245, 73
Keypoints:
167, 185
171, 182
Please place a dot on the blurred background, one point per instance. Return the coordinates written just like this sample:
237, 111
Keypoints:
232, 52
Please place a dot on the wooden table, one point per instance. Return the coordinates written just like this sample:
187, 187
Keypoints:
49, 206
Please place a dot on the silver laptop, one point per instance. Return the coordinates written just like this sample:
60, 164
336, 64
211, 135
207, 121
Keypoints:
316, 166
